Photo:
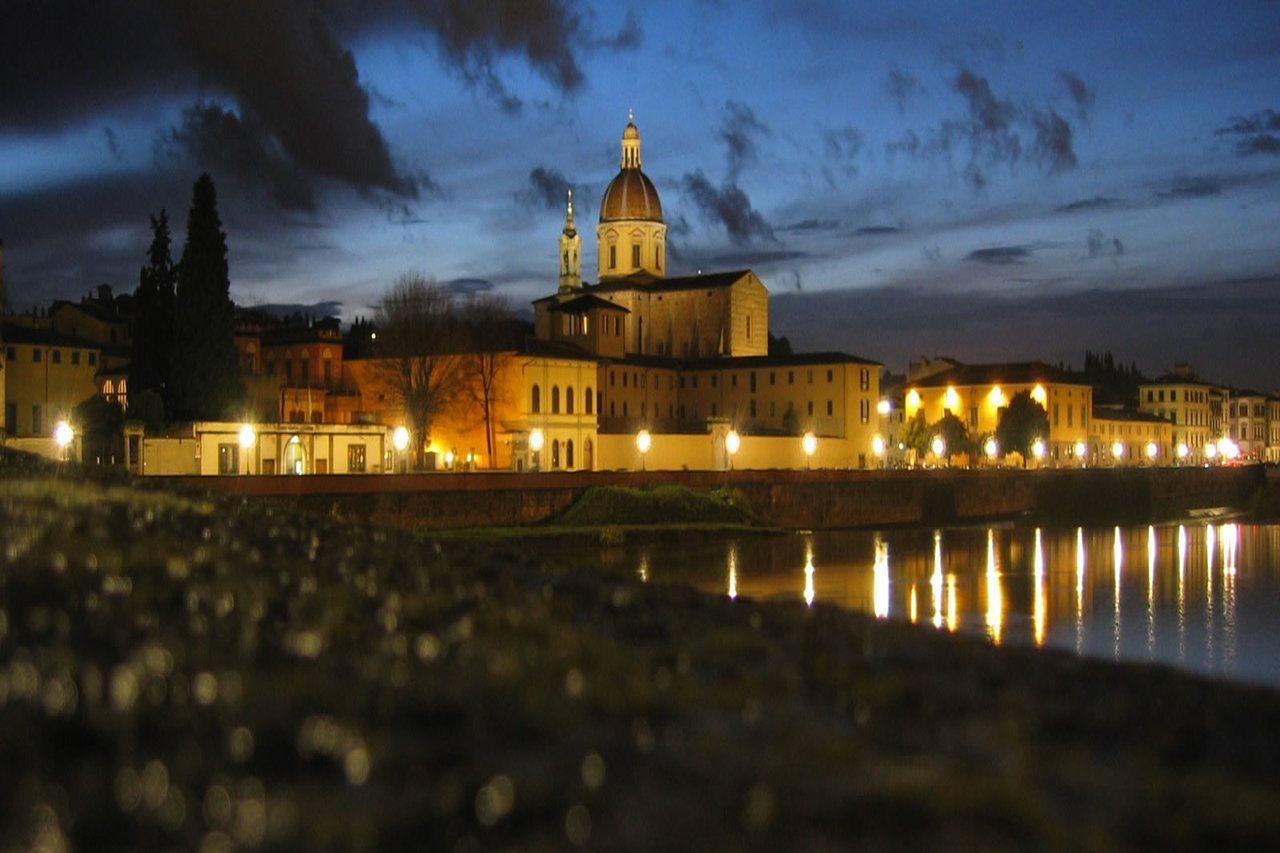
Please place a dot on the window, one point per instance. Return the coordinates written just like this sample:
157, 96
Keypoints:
831, 407
355, 459
773, 409
635, 254
93, 358
568, 453
613, 378
624, 378
773, 378
57, 356
624, 408
535, 401
37, 422
36, 354
748, 327
713, 380
713, 410
657, 257
733, 380
599, 401
613, 257
555, 399
751, 407
831, 375
12, 353
586, 399
791, 377
864, 379
810, 372
753, 382
810, 408
11, 418
555, 453
229, 458
568, 400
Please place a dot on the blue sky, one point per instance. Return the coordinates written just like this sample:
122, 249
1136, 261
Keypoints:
1046, 177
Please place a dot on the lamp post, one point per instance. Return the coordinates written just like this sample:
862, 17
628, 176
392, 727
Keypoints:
732, 443
247, 438
400, 441
536, 439
810, 444
643, 442
63, 435
448, 459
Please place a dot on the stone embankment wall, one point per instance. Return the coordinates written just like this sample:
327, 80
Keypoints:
807, 499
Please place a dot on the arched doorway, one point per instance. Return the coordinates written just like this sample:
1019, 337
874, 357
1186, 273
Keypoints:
295, 457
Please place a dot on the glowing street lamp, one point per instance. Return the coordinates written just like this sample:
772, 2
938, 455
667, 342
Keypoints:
1038, 449
643, 442
247, 438
810, 445
884, 407
877, 446
1228, 448
938, 446
991, 447
1210, 450
1152, 449
1082, 451
536, 439
732, 444
399, 440
63, 435
1182, 451
448, 459
1117, 450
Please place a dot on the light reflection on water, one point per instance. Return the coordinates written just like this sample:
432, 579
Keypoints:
1202, 596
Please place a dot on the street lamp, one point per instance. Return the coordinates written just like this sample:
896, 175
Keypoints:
991, 447
1038, 449
732, 443
400, 439
877, 447
1182, 451
643, 442
247, 438
1228, 448
938, 446
1210, 450
884, 407
1082, 451
536, 438
810, 444
1117, 450
1152, 450
448, 459
63, 435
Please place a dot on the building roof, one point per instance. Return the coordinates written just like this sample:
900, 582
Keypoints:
1017, 373
651, 284
555, 349
1178, 379
18, 334
587, 301
1116, 413
741, 362
630, 196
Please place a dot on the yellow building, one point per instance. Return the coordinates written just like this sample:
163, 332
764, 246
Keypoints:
1247, 423
1195, 409
233, 448
46, 375
1126, 437
978, 393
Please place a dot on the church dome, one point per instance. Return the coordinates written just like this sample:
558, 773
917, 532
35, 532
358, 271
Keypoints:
630, 196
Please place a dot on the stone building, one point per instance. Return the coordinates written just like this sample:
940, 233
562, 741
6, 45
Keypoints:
1196, 408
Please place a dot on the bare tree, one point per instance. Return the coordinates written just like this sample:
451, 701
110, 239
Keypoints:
417, 346
492, 333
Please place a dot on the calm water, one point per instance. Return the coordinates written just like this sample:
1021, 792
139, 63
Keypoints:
1201, 596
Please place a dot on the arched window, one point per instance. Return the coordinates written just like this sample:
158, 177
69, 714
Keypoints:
317, 417
568, 453
108, 387
555, 399
588, 461
587, 399
568, 400
555, 453
535, 402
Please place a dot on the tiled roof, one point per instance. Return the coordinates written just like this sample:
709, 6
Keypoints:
1020, 373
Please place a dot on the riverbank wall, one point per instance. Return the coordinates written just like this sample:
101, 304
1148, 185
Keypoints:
801, 499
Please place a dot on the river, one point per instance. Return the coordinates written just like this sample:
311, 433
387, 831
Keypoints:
1204, 597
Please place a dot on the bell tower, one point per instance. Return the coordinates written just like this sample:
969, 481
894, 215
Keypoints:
570, 249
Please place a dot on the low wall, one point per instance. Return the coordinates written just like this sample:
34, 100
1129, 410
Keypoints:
808, 499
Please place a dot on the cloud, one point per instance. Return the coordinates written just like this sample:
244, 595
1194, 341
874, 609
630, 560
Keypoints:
547, 189
999, 255
329, 308
989, 128
220, 141
628, 37
729, 207
1098, 202
1079, 92
469, 286
1255, 134
811, 225
901, 85
113, 143
877, 230
709, 259
739, 131
1101, 246
1192, 187
1053, 146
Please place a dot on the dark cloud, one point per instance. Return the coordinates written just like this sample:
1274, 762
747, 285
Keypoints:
989, 126
547, 189
1102, 246
909, 144
901, 85
678, 226
811, 225
1194, 187
113, 144
1255, 134
1053, 147
1098, 202
329, 308
1079, 92
694, 258
877, 230
469, 286
628, 37
739, 131
220, 141
999, 255
728, 206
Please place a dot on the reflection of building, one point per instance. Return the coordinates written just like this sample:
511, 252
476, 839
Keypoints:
1142, 438
978, 393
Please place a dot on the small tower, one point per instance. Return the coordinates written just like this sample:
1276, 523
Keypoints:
570, 247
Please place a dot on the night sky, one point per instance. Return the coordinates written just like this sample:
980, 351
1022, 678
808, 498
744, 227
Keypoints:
989, 183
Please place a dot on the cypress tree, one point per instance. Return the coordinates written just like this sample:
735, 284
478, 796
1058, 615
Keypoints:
153, 315
206, 381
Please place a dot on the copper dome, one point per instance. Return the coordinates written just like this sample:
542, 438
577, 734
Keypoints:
630, 196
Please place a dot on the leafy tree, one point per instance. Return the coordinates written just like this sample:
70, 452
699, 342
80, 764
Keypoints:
779, 345
916, 435
953, 432
490, 333
147, 407
417, 352
206, 381
153, 315
1021, 423
100, 423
